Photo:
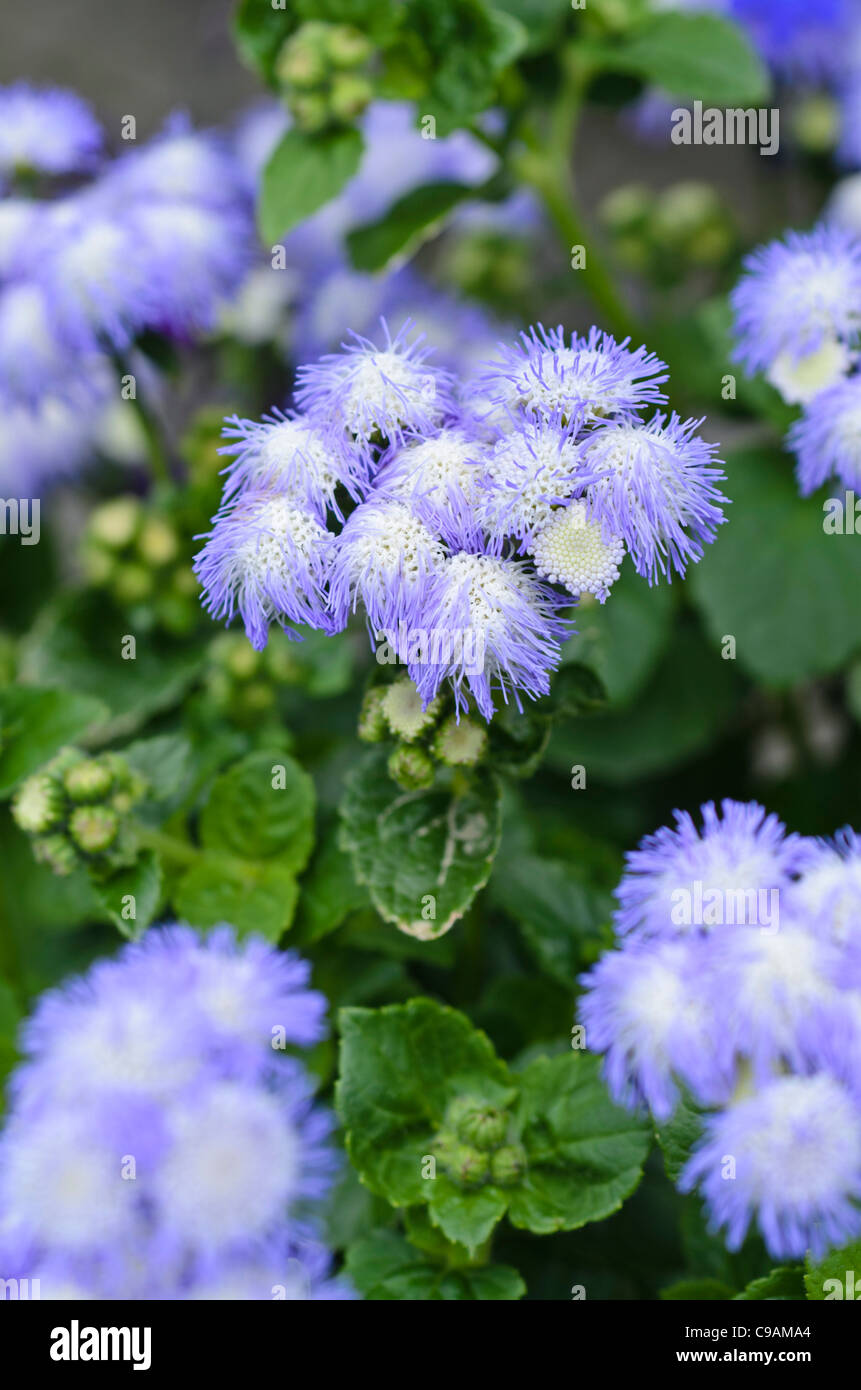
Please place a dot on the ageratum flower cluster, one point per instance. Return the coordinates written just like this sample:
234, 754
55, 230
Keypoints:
160, 1143
446, 508
154, 240
798, 320
737, 986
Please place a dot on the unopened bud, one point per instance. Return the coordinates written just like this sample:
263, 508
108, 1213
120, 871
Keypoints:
38, 804
402, 706
460, 745
90, 780
411, 768
508, 1164
56, 852
476, 1123
94, 828
373, 725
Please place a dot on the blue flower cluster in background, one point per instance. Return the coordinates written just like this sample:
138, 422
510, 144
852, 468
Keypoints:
798, 319
737, 987
476, 497
160, 1141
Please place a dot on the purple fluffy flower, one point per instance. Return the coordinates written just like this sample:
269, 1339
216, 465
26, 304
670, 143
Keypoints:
827, 895
787, 1159
269, 559
46, 131
740, 849
655, 486
386, 555
593, 377
533, 467
286, 453
159, 1143
179, 165
827, 438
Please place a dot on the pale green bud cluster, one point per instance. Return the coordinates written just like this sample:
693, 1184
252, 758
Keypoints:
474, 1145
244, 684
665, 234
137, 554
75, 809
323, 72
424, 738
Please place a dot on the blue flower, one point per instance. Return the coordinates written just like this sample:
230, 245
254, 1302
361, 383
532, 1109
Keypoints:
439, 477
179, 165
386, 556
159, 1143
286, 453
827, 438
798, 309
268, 559
797, 39
648, 1008
532, 467
654, 485
373, 394
827, 894
46, 131
503, 630
741, 847
795, 1154
591, 377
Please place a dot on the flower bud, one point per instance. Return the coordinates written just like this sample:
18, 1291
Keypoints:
373, 726
476, 1123
302, 61
411, 768
158, 542
402, 706
347, 47
132, 583
311, 112
465, 1165
38, 804
349, 96
507, 1165
89, 780
56, 852
94, 828
114, 523
460, 745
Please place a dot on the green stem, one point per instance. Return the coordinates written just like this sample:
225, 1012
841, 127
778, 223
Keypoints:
547, 165
177, 851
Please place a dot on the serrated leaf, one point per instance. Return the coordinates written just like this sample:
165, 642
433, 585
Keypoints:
257, 898
250, 818
141, 881
386, 1267
585, 1155
836, 1277
791, 622
467, 1218
410, 220
399, 1067
677, 1137
408, 847
302, 174
697, 1290
785, 1282
36, 723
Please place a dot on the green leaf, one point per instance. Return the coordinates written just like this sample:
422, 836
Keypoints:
838, 1276
253, 897
682, 709
302, 174
329, 892
623, 638
142, 881
164, 762
785, 1282
260, 29
378, 19
792, 618
35, 724
540, 20
77, 644
409, 847
468, 1218
692, 55
555, 908
467, 46
677, 1136
494, 1282
399, 1067
250, 818
697, 1290
386, 1267
10, 1017
585, 1154
411, 220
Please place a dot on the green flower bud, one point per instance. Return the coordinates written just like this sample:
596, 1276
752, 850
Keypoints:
508, 1164
460, 745
302, 62
411, 768
158, 542
467, 1166
114, 523
402, 706
90, 780
280, 661
94, 828
256, 697
38, 804
816, 123
56, 852
627, 207
683, 211
476, 1123
373, 725
235, 655
347, 47
349, 96
310, 112
99, 564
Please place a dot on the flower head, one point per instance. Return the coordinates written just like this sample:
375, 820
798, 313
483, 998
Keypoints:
827, 894
572, 550
530, 470
385, 555
180, 165
269, 559
796, 1153
592, 377
46, 131
827, 438
655, 487
291, 455
439, 475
